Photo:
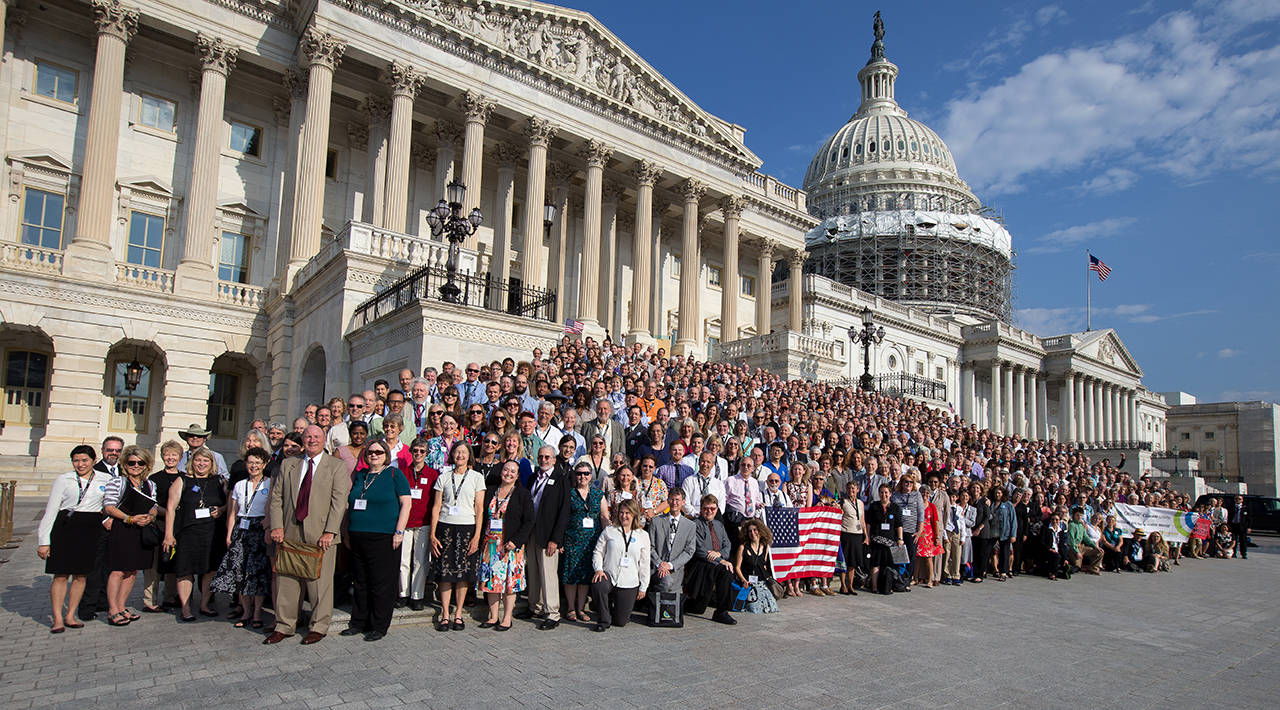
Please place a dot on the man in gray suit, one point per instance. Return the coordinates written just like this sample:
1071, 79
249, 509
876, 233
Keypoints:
605, 427
672, 540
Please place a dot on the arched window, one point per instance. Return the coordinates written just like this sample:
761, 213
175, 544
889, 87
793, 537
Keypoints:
130, 409
26, 387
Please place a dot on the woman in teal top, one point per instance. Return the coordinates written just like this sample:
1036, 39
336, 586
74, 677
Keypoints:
588, 514
377, 512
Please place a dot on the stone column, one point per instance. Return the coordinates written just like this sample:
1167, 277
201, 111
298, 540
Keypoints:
764, 289
795, 291
73, 413
1092, 425
612, 194
89, 254
1007, 390
195, 274
967, 394
323, 52
1099, 400
1068, 396
597, 155
997, 375
533, 261
506, 155
295, 84
646, 175
561, 176
447, 137
1019, 402
730, 279
1042, 408
404, 81
658, 317
1135, 429
687, 338
1082, 410
477, 109
378, 110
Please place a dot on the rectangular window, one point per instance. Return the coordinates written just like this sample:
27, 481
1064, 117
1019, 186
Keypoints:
675, 265
331, 165
233, 258
713, 275
56, 82
1208, 435
146, 240
26, 378
129, 409
939, 374
1185, 436
157, 113
246, 139
920, 369
748, 286
42, 218
221, 419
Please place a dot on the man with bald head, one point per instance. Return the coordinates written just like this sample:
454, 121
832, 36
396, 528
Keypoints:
307, 504
471, 390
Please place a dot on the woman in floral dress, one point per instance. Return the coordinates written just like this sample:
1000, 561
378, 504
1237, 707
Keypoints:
587, 516
508, 521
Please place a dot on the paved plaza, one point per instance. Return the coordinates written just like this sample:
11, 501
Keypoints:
1202, 636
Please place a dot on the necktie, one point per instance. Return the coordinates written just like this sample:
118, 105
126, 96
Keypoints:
715, 539
304, 495
671, 535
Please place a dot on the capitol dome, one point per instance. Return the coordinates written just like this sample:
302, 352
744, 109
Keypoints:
898, 221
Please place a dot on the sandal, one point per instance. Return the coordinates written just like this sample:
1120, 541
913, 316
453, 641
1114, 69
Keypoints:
241, 623
458, 625
256, 623
208, 613
133, 616
570, 615
72, 625
119, 618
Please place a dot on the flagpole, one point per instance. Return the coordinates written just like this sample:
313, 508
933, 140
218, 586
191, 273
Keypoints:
1088, 296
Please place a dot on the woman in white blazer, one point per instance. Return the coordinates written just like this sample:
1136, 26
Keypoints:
621, 563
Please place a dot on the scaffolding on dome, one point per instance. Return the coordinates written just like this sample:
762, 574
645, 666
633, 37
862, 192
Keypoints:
942, 262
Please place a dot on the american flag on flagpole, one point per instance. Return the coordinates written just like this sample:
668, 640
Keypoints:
573, 327
1095, 264
805, 541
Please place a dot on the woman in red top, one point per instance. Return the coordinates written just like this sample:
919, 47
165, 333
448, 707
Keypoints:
928, 545
417, 539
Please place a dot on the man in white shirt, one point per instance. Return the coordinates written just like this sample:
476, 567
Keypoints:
701, 484
742, 493
545, 429
472, 390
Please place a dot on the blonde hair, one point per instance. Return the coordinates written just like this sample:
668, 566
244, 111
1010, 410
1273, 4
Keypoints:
134, 450
172, 445
203, 452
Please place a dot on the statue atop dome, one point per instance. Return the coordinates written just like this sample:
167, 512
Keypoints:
877, 47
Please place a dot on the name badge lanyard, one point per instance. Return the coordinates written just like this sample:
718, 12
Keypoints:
370, 481
626, 544
252, 497
83, 490
457, 487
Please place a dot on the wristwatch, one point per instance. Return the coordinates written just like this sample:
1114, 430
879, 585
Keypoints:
399, 532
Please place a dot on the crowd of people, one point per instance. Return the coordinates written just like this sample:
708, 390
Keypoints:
583, 485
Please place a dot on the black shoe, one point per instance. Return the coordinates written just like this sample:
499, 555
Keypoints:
417, 604
86, 615
600, 628
548, 624
486, 624
402, 602
524, 614
721, 616
351, 631
442, 626
375, 635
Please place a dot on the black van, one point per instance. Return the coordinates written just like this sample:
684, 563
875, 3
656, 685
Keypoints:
1264, 511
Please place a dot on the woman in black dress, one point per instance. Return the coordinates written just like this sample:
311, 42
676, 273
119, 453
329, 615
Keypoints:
131, 500
162, 570
883, 529
67, 539
196, 501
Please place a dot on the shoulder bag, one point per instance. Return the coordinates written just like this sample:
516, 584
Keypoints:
298, 559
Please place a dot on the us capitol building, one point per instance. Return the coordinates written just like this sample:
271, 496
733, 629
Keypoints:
221, 210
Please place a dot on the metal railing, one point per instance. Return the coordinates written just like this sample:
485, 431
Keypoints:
1120, 444
474, 291
902, 384
8, 489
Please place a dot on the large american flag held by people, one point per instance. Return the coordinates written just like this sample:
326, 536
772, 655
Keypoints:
805, 541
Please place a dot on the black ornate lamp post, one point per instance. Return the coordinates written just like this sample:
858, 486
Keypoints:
133, 374
446, 219
868, 334
548, 219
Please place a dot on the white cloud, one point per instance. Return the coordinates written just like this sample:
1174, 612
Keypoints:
1049, 14
1227, 352
1056, 321
1112, 181
1173, 97
1081, 234
1153, 318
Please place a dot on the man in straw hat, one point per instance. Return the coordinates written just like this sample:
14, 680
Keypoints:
196, 436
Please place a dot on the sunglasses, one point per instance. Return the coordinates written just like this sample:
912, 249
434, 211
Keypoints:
434, 414
374, 452
542, 457
491, 441
472, 370
450, 395
133, 462
417, 450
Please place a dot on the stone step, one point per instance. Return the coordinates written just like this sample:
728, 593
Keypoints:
22, 469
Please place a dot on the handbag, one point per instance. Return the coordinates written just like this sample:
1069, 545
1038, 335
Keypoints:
298, 559
666, 610
742, 595
151, 536
899, 553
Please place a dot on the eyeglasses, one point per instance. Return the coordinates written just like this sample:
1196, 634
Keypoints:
583, 473
434, 414
493, 442
133, 462
471, 369
544, 457
374, 452
450, 395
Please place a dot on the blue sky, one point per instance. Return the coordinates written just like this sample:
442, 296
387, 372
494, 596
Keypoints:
1148, 133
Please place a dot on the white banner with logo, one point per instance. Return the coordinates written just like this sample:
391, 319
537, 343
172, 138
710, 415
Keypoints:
1173, 525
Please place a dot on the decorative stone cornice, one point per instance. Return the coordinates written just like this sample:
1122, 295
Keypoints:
646, 172
216, 54
377, 108
507, 154
797, 257
560, 174
732, 206
447, 133
596, 153
322, 48
295, 83
422, 157
357, 135
116, 19
281, 108
766, 247
692, 190
403, 79
476, 107
539, 131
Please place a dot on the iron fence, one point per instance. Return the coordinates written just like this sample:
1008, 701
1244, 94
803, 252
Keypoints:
475, 291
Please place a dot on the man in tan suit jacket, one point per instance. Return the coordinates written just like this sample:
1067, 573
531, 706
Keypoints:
308, 509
